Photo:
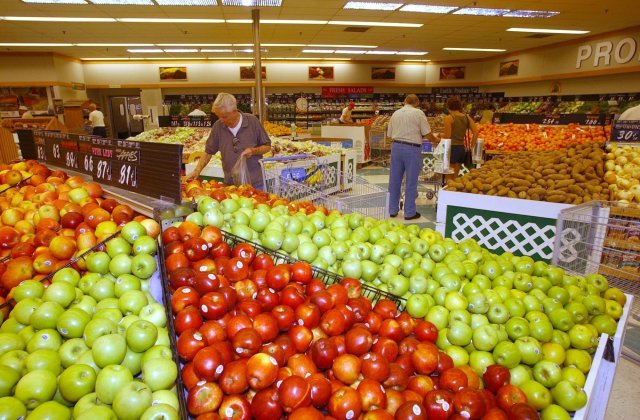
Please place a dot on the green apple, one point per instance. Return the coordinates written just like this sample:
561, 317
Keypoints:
478, 320
580, 359
12, 408
62, 293
159, 373
44, 359
559, 293
569, 396
538, 396
36, 387
507, 354
29, 289
109, 349
398, 284
554, 412
50, 410
515, 307
71, 350
553, 352
460, 315
605, 324
480, 360
417, 306
573, 375
477, 301
485, 338
44, 339
541, 330
459, 355
613, 293
459, 333
141, 335
112, 314
455, 300
110, 381
76, 382
132, 401
97, 328
598, 280
132, 302
160, 412
498, 313
530, 350
520, 374
164, 396
72, 323
87, 404
578, 311
8, 380
547, 373
613, 308
582, 337
439, 316
532, 303
517, 327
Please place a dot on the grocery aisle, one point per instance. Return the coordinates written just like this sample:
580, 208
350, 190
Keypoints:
427, 208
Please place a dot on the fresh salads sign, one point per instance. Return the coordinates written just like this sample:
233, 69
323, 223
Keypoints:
334, 91
605, 53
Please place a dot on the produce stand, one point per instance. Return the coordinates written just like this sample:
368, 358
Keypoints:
524, 227
357, 133
11, 128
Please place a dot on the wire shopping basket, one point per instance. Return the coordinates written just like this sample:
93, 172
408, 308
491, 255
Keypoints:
283, 172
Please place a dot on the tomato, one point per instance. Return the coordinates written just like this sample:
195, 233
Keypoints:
301, 272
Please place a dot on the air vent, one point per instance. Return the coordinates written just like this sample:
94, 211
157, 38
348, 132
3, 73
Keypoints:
356, 29
538, 36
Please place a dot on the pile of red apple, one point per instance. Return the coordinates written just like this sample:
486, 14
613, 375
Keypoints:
50, 219
218, 191
261, 341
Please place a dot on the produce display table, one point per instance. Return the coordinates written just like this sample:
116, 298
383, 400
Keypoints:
524, 227
358, 134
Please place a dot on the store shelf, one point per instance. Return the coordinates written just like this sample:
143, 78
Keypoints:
609, 271
622, 244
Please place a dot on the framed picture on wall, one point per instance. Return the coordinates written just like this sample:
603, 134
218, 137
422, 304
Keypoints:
383, 73
452, 73
173, 73
249, 72
321, 73
509, 68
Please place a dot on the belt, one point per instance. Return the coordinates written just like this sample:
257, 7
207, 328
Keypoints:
407, 143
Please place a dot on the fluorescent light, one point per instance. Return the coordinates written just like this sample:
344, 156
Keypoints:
107, 58
548, 31
216, 50
252, 3
55, 19
243, 45
382, 52
284, 45
124, 2
250, 50
479, 11
169, 59
239, 21
389, 24
427, 8
181, 50
418, 61
193, 45
55, 1
114, 45
341, 46
34, 44
169, 20
293, 22
186, 2
475, 49
350, 51
367, 5
412, 53
531, 14
145, 50
313, 51
307, 58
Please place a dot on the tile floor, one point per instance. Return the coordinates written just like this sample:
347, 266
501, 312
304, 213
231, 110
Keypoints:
625, 393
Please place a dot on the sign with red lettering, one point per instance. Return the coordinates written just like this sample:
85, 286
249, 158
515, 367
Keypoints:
333, 91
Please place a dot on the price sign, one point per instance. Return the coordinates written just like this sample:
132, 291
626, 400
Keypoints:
626, 131
102, 152
85, 158
181, 121
38, 140
551, 120
53, 150
125, 163
69, 152
592, 120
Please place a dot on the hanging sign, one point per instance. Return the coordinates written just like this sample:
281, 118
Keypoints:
333, 91
625, 131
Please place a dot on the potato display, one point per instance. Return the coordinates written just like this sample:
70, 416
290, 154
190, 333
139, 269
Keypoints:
570, 176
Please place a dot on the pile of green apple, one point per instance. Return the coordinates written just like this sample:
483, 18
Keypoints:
528, 316
91, 346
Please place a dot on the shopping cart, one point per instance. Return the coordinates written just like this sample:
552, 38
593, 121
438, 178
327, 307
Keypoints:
364, 198
429, 180
380, 147
296, 177
602, 237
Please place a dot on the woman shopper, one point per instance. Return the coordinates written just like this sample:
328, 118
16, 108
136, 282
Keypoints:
456, 126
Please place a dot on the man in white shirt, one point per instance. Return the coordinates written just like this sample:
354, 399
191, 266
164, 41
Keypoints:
407, 128
345, 118
631, 114
197, 112
96, 119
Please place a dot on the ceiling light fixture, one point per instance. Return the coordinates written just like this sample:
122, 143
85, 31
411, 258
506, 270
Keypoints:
55, 19
549, 31
531, 14
341, 46
114, 45
413, 52
216, 50
350, 51
145, 50
123, 2
252, 3
181, 50
388, 24
193, 45
186, 2
417, 61
479, 11
367, 5
293, 22
107, 58
55, 1
313, 51
168, 20
382, 52
284, 45
34, 44
474, 49
427, 8
170, 58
